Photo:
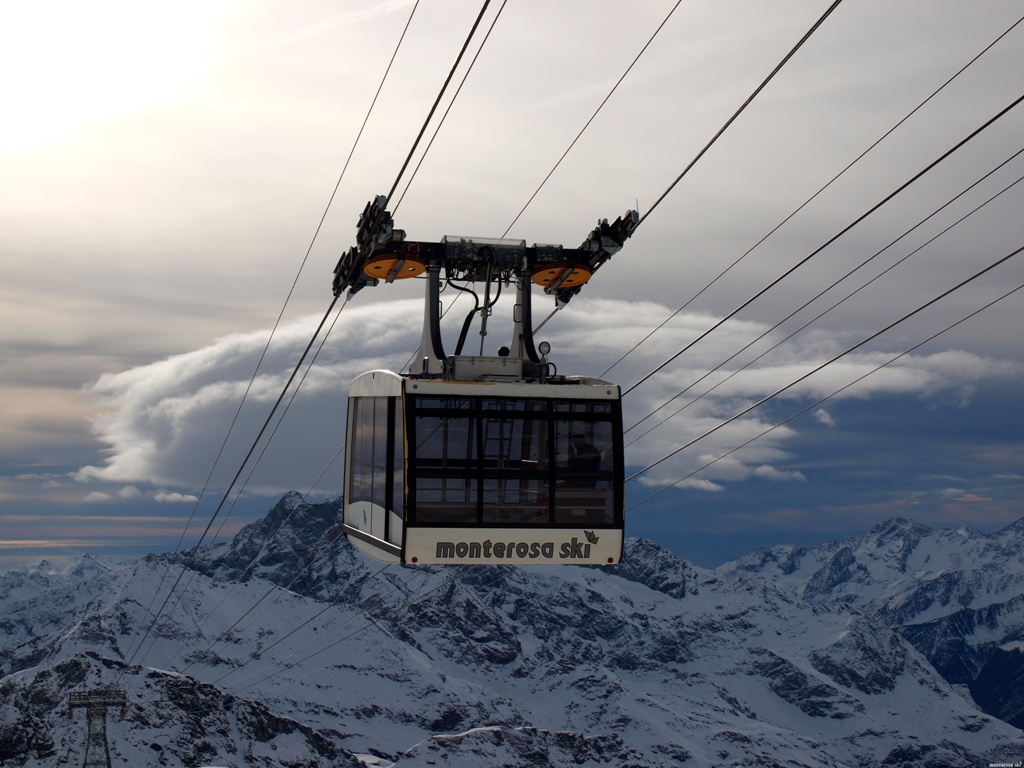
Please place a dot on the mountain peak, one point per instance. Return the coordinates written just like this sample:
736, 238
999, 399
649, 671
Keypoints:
283, 546
650, 662
645, 562
899, 526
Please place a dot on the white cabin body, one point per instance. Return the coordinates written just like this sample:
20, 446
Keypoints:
499, 470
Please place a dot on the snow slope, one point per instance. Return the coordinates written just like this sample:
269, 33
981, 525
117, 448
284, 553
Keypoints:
957, 596
302, 652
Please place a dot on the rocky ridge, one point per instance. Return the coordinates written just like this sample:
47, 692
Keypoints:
296, 650
956, 595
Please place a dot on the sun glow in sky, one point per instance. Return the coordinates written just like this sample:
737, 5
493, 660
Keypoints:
69, 65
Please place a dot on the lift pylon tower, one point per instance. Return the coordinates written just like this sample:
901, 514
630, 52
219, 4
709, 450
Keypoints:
96, 703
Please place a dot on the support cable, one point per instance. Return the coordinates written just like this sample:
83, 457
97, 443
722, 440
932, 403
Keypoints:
826, 290
805, 325
294, 283
355, 614
831, 240
437, 101
743, 106
287, 300
227, 492
596, 111
266, 444
309, 250
458, 90
828, 362
252, 563
707, 146
372, 622
806, 202
329, 603
818, 402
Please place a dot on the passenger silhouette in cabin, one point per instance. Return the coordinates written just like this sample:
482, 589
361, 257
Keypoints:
584, 458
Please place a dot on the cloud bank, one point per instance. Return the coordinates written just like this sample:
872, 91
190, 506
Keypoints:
164, 424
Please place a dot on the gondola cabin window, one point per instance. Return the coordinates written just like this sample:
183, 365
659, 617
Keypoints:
442, 472
512, 461
375, 490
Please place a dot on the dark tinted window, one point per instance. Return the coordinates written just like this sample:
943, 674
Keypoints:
514, 461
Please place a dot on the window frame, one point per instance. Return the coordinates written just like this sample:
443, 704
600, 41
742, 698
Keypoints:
475, 472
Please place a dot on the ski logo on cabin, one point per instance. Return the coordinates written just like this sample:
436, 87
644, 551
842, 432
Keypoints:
573, 549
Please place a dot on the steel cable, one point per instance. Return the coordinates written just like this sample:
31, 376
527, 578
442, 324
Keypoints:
806, 202
830, 287
828, 362
818, 402
831, 240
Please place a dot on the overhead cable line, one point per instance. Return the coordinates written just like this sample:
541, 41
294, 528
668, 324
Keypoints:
287, 300
831, 240
252, 469
309, 250
707, 146
596, 111
341, 176
437, 101
818, 402
186, 565
458, 90
394, 186
743, 106
318, 551
571, 145
372, 622
612, 91
356, 613
270, 437
829, 288
329, 603
810, 199
806, 324
390, 193
830, 361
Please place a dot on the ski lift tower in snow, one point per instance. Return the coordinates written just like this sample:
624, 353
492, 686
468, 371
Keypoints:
96, 703
482, 458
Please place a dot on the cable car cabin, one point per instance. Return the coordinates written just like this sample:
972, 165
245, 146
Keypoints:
443, 471
482, 459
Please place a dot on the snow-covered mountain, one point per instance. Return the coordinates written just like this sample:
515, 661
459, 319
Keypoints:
957, 596
288, 647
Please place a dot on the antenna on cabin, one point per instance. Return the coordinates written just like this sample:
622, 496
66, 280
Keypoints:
96, 702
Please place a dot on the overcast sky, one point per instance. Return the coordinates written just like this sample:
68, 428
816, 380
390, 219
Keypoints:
164, 168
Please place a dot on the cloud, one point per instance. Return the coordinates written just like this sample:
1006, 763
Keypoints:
166, 497
973, 498
764, 472
824, 417
164, 422
127, 493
